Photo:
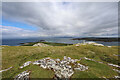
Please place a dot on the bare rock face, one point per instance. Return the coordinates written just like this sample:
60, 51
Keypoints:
41, 44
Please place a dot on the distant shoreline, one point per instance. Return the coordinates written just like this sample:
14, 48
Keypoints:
19, 42
104, 39
44, 42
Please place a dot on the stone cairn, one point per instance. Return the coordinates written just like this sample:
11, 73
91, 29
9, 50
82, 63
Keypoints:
63, 69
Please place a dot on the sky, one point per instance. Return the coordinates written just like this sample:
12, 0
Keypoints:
59, 19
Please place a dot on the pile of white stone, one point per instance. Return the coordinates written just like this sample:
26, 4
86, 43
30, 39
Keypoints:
61, 68
41, 44
23, 76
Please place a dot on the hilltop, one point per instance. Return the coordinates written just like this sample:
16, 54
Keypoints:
90, 56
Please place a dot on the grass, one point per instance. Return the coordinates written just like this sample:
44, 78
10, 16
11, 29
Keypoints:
17, 55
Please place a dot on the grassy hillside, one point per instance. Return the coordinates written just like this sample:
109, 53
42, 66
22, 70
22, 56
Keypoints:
17, 55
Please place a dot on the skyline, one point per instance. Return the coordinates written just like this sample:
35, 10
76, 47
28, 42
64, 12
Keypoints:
59, 19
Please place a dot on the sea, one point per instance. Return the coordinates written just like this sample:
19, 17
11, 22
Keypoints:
16, 42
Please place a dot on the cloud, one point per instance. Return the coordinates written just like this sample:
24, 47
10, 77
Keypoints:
11, 32
65, 19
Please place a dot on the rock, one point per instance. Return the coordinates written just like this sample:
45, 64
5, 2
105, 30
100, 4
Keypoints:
78, 44
114, 65
117, 77
90, 43
109, 46
89, 59
6, 69
23, 76
98, 44
93, 60
116, 70
61, 68
41, 44
85, 43
95, 44
26, 64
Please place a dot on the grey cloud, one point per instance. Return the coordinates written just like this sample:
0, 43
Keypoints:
70, 19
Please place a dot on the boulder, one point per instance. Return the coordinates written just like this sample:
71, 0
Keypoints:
41, 44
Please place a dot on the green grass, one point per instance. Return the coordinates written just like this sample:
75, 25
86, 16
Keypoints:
17, 55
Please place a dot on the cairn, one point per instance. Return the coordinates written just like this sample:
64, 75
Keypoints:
61, 68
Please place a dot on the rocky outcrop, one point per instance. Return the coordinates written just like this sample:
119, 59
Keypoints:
41, 44
93, 43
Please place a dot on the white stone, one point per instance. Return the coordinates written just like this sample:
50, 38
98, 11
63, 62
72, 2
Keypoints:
26, 64
109, 46
41, 44
23, 76
116, 76
6, 69
98, 44
116, 70
114, 65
